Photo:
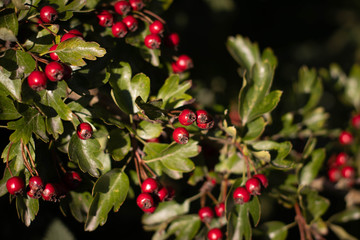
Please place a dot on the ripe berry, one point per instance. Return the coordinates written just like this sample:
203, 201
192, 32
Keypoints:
206, 125
119, 30
334, 174
202, 116
67, 36
181, 135
172, 40
206, 214
186, 117
152, 41
36, 183
345, 138
37, 80
220, 209
355, 121
105, 18
76, 32
131, 23
48, 14
54, 55
184, 62
72, 179
263, 179
122, 7
341, 159
54, 71
253, 186
153, 140
162, 194
15, 185
145, 201
175, 68
136, 5
49, 193
84, 131
241, 195
348, 172
156, 27
150, 210
215, 234
149, 185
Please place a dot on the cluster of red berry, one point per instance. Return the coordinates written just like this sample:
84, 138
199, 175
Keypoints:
187, 117
253, 186
151, 194
206, 214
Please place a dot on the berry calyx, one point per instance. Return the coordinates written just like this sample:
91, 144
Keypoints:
334, 174
136, 5
72, 179
150, 210
156, 27
348, 172
119, 30
54, 55
263, 179
84, 131
181, 135
149, 185
54, 71
186, 117
162, 194
341, 159
145, 201
220, 209
122, 7
49, 193
48, 14
184, 62
131, 23
241, 195
15, 185
172, 40
253, 186
152, 41
345, 138
105, 18
206, 214
206, 125
215, 234
37, 80
202, 116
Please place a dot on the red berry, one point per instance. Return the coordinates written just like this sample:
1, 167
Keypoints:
152, 41
67, 72
119, 30
341, 159
172, 40
154, 140
355, 121
156, 27
187, 117
137, 5
54, 55
131, 23
263, 179
54, 71
145, 201
15, 185
49, 192
175, 68
72, 179
149, 185
345, 138
241, 195
334, 174
202, 116
84, 131
122, 7
215, 234
36, 183
348, 172
206, 214
105, 18
37, 80
48, 14
184, 62
162, 194
76, 32
220, 209
150, 210
253, 186
206, 125
181, 135
67, 36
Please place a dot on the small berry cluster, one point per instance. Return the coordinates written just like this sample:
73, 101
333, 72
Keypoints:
206, 214
253, 186
187, 117
341, 169
153, 193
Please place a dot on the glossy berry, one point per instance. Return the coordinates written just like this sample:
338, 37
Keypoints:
348, 172
54, 55
49, 193
152, 41
341, 159
122, 7
253, 186
76, 32
334, 174
202, 116
187, 117
220, 209
214, 234
36, 183
105, 18
131, 23
162, 194
136, 5
67, 36
241, 195
72, 179
156, 27
145, 201
206, 214
181, 135
54, 71
149, 185
263, 179
15, 185
48, 14
175, 68
355, 121
345, 138
37, 80
84, 131
119, 30
172, 40
184, 62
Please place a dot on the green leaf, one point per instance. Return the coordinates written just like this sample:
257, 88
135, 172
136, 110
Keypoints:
79, 204
110, 191
148, 130
7, 35
13, 87
119, 144
9, 25
58, 231
268, 104
347, 215
254, 129
184, 227
309, 147
316, 204
151, 110
75, 50
54, 126
159, 6
43, 41
311, 169
27, 209
316, 119
7, 109
25, 61
86, 154
341, 232
275, 230
352, 87
282, 150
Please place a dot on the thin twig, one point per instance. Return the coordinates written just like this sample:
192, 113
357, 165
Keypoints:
31, 159
212, 198
7, 159
155, 16
26, 163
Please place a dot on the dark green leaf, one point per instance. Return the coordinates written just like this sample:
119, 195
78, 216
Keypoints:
150, 110
43, 41
13, 87
185, 227
58, 231
54, 126
311, 169
8, 25
173, 93
316, 204
119, 144
25, 61
341, 232
80, 204
254, 129
243, 51
282, 150
7, 109
349, 214
275, 230
27, 209
148, 130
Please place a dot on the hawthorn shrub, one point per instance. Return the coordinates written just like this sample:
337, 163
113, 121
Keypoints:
92, 127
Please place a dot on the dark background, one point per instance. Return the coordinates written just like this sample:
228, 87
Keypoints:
309, 32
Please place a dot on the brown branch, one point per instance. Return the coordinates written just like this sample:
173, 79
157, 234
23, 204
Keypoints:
26, 162
31, 160
305, 233
155, 16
